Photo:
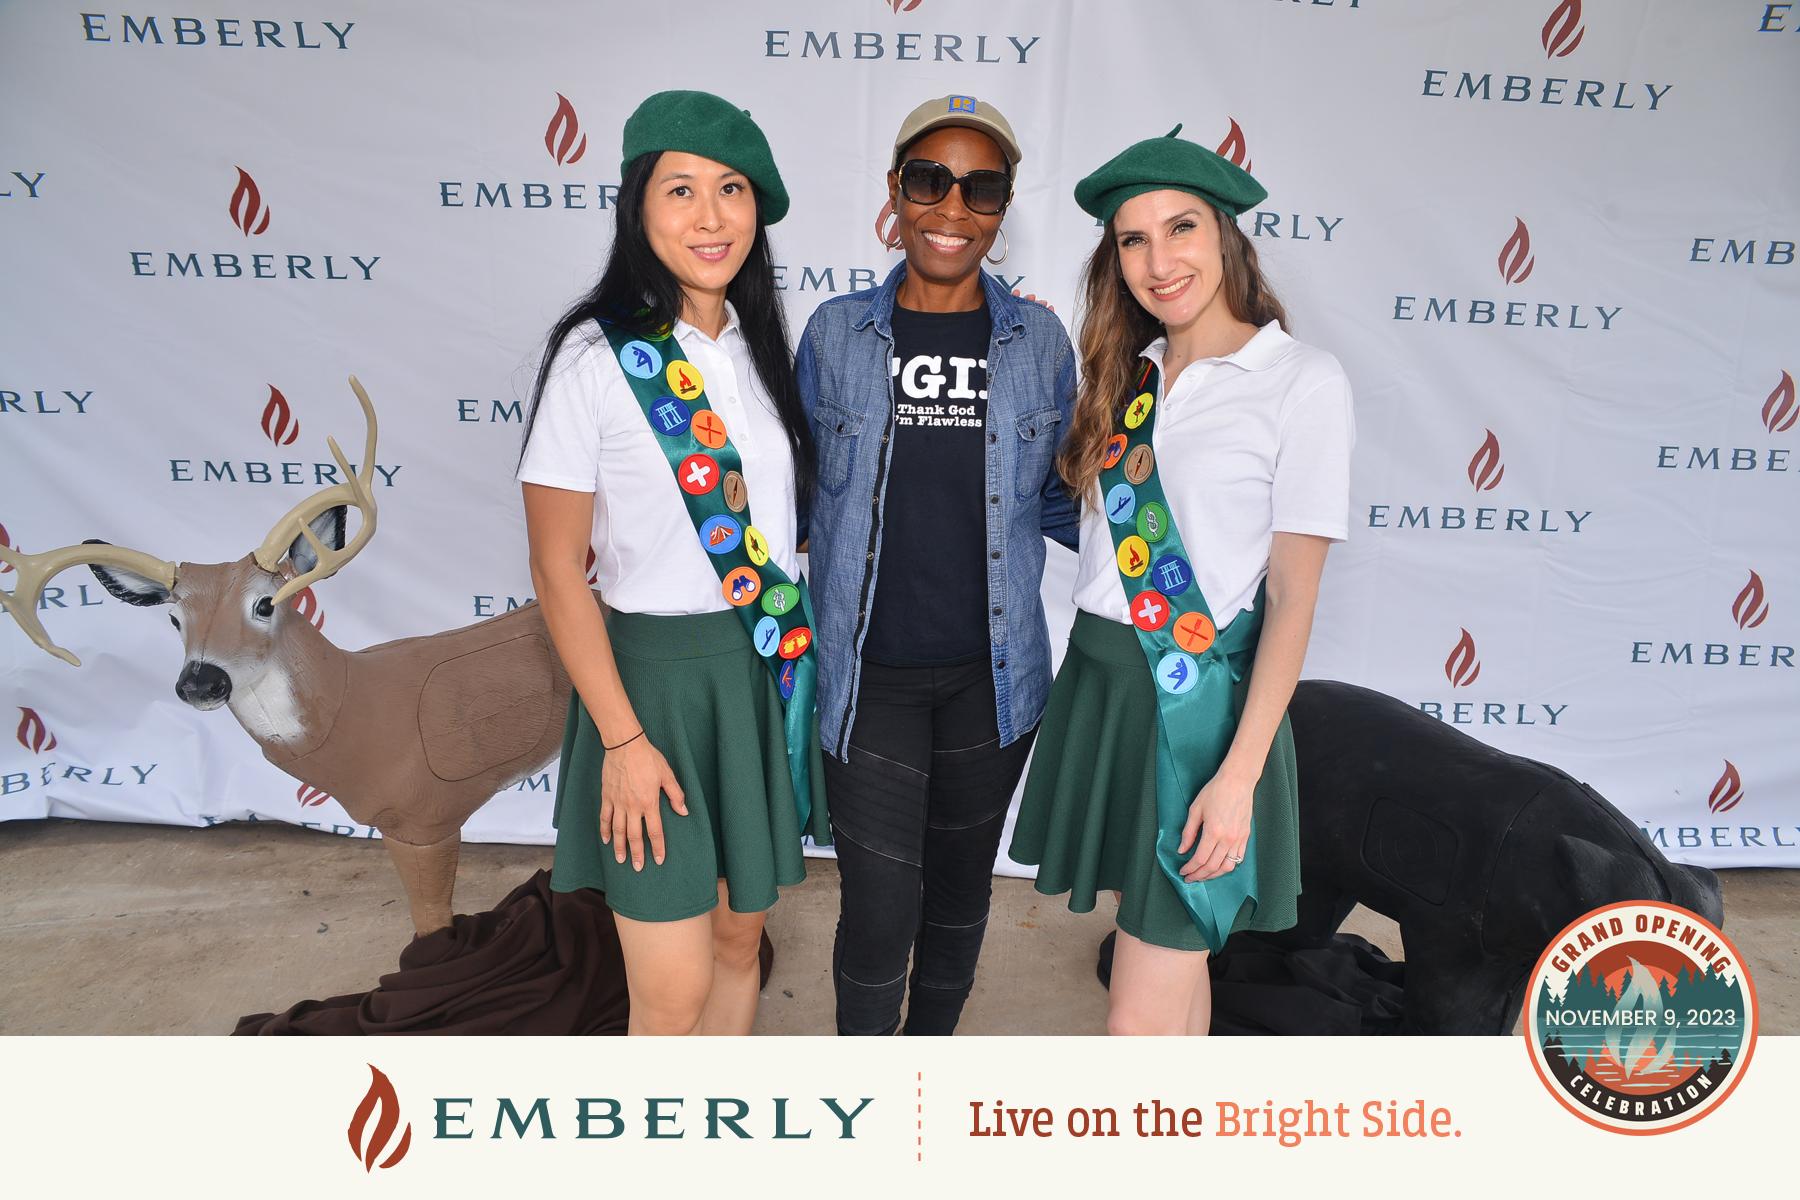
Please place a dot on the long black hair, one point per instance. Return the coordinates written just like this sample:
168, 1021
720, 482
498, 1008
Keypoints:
635, 280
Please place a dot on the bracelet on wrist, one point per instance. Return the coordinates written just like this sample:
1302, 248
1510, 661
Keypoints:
634, 737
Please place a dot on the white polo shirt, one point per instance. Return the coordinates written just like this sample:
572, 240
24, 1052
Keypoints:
1245, 445
591, 435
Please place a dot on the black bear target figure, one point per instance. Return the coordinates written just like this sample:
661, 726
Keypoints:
1480, 856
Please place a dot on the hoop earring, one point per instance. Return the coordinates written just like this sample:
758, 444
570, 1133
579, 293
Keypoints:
1005, 249
889, 237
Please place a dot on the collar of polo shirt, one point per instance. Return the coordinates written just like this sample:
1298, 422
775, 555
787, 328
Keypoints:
683, 329
1266, 347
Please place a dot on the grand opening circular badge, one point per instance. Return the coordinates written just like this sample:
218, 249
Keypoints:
1640, 1017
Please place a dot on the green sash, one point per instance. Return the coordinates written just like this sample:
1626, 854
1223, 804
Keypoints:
776, 611
1194, 663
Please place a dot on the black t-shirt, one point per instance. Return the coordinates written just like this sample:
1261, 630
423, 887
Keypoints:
931, 591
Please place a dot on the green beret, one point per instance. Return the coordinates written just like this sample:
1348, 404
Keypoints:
1168, 162
702, 123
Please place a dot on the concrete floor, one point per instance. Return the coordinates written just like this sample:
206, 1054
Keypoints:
150, 929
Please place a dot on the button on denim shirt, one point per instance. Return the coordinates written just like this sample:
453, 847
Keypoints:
846, 383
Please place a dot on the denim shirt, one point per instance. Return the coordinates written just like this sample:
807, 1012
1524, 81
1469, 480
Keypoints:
846, 384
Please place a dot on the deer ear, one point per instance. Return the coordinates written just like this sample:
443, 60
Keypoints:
329, 526
126, 585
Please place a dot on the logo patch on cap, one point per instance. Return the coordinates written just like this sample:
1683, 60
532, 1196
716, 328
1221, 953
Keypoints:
961, 104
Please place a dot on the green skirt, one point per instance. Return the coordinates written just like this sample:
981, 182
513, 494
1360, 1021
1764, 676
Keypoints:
1088, 817
709, 704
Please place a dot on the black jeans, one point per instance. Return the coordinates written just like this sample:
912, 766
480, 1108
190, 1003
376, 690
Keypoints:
917, 814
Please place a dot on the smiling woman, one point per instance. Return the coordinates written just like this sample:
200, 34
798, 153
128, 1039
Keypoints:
700, 217
937, 399
944, 237
1167, 769
664, 413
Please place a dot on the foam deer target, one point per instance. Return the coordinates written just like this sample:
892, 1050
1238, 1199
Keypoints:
410, 736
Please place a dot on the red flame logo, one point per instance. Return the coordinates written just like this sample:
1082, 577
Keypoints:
1779, 410
1516, 259
278, 422
593, 575
1750, 609
563, 137
6, 540
247, 206
901, 6
1564, 30
1486, 469
1727, 791
381, 1096
307, 605
1233, 147
32, 733
310, 796
1462, 667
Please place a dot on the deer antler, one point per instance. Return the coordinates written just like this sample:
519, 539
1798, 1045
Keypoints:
36, 570
298, 522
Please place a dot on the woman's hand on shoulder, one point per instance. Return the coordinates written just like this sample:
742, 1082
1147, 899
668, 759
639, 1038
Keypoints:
632, 782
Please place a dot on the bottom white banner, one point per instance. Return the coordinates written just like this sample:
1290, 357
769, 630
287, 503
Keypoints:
855, 1118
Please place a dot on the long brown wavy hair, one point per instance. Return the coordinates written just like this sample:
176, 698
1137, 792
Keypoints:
1115, 328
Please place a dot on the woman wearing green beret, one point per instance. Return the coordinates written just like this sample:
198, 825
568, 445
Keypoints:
1212, 451
666, 432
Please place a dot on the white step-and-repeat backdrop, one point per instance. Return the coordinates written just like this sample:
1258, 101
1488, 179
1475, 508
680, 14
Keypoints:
1553, 244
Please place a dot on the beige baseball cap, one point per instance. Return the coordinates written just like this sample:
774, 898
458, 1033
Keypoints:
965, 111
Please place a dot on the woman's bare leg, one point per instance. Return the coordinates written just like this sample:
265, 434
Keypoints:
668, 971
736, 971
1153, 988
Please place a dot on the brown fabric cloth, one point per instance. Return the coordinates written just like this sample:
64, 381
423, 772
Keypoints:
539, 962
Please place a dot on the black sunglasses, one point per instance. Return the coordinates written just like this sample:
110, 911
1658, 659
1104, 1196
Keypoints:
925, 182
